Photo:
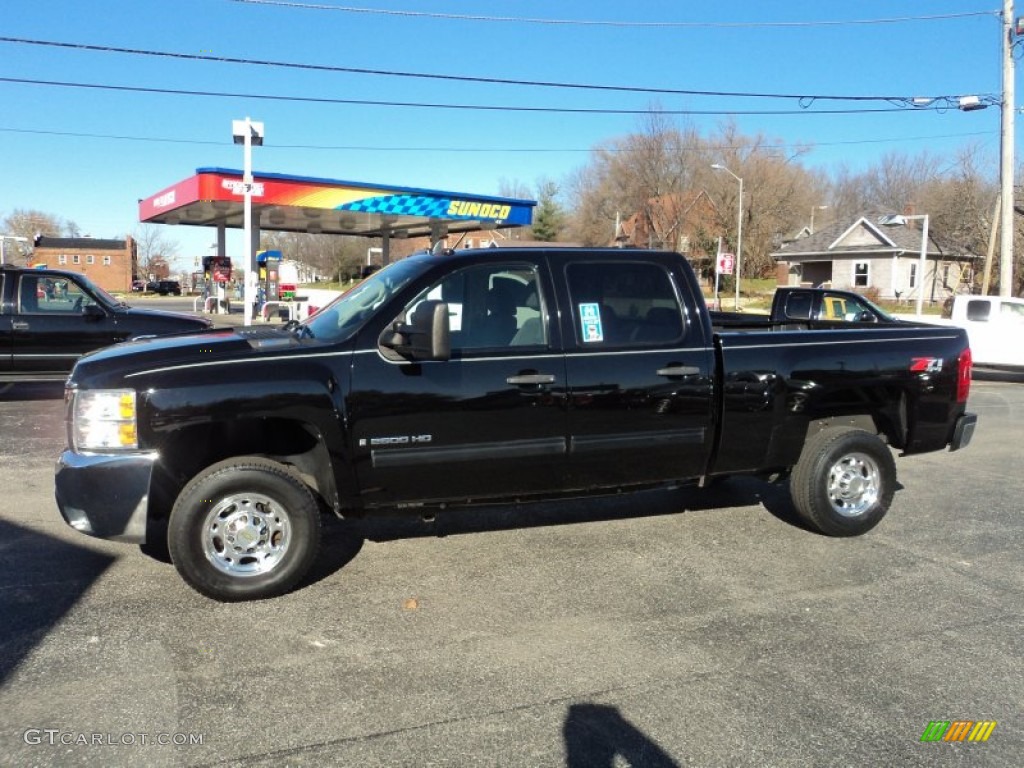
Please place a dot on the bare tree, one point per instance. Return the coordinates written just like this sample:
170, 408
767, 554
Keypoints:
31, 224
629, 175
155, 250
958, 198
778, 194
339, 256
514, 188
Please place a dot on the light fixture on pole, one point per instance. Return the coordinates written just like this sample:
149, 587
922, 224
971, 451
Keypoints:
813, 209
900, 220
739, 228
248, 133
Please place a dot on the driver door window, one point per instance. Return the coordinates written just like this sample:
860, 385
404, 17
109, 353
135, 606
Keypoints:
843, 308
40, 294
490, 307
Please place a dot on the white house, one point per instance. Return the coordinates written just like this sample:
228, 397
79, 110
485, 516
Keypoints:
867, 255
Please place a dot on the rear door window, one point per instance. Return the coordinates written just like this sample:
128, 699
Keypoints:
623, 304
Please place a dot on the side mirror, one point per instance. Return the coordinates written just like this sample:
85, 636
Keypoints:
93, 312
425, 337
867, 317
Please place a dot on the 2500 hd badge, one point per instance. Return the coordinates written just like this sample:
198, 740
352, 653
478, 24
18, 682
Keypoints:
400, 440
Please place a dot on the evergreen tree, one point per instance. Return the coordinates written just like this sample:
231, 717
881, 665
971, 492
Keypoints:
549, 219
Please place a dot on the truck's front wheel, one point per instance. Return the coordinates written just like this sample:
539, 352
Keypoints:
244, 529
844, 481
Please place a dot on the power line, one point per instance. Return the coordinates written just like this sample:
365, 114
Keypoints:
935, 107
601, 23
476, 150
909, 101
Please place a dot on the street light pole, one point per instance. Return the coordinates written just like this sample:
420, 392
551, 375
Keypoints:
247, 133
739, 228
922, 260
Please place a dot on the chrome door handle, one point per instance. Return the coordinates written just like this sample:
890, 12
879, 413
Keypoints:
531, 378
679, 370
19, 325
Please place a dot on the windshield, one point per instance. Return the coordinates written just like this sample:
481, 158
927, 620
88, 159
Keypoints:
103, 296
346, 313
878, 310
1012, 312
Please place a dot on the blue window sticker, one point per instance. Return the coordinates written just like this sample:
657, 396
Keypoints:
590, 320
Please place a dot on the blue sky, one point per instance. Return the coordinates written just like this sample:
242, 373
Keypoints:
89, 154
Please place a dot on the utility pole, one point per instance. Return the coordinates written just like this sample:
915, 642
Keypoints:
1006, 153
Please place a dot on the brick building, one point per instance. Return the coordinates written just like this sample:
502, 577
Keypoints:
110, 264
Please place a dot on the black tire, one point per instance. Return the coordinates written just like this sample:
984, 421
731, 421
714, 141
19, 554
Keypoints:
244, 529
844, 481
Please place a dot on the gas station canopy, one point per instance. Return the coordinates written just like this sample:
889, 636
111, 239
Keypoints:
214, 197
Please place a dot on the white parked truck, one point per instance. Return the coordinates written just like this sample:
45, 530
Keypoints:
995, 327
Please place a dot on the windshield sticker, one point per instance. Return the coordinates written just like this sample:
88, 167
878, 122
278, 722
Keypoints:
590, 318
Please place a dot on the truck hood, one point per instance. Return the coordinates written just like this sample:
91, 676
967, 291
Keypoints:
158, 318
108, 366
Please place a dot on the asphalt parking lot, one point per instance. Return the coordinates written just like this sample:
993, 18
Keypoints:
600, 633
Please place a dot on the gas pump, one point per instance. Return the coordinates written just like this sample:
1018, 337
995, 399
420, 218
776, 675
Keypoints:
217, 272
268, 287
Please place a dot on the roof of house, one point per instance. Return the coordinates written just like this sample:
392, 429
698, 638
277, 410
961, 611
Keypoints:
80, 243
863, 235
664, 210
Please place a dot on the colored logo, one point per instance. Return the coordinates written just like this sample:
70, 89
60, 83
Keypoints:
958, 730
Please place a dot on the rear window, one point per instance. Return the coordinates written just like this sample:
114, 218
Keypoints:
978, 311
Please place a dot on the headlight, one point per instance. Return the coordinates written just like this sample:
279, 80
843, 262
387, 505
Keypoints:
103, 420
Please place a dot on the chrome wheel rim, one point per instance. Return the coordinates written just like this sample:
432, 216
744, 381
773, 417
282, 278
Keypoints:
854, 484
246, 534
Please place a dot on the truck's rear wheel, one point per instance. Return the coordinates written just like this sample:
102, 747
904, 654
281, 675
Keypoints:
844, 481
244, 529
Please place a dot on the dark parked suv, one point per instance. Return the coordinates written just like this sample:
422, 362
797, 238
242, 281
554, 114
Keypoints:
165, 287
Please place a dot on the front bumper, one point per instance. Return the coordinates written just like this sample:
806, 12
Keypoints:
105, 495
963, 431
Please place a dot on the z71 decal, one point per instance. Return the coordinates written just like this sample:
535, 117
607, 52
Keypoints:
926, 364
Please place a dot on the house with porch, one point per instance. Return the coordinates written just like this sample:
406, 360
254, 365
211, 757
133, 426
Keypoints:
866, 256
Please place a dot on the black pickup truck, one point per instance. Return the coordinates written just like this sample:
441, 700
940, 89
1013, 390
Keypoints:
487, 375
809, 308
49, 318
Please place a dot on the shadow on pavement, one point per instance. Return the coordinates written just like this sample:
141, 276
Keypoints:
32, 390
598, 736
42, 577
994, 374
455, 520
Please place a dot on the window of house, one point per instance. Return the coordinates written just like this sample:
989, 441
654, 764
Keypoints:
62, 258
861, 274
90, 259
106, 261
76, 259
913, 275
623, 304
